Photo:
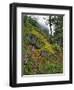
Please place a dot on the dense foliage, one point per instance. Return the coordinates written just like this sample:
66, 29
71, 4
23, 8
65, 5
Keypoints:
42, 53
57, 21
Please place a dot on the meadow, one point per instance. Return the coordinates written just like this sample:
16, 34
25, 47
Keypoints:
42, 53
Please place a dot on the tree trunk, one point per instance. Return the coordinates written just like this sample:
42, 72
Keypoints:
50, 24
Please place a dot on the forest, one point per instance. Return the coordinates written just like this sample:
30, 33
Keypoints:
42, 48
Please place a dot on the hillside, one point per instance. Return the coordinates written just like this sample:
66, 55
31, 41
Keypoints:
39, 55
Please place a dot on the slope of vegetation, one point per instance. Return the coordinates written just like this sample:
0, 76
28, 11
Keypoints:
39, 55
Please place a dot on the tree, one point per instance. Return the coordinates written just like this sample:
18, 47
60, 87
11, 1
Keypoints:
58, 34
50, 23
57, 21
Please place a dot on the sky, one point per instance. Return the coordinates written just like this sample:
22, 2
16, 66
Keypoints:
43, 20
